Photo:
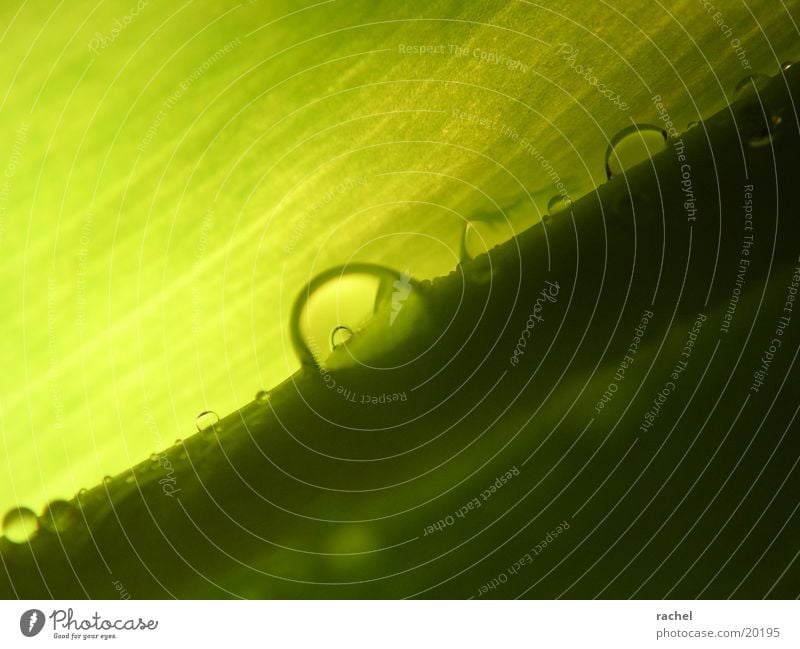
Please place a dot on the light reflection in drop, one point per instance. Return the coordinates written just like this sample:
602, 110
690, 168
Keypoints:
558, 203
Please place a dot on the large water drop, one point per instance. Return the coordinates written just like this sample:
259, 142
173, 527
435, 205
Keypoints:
337, 303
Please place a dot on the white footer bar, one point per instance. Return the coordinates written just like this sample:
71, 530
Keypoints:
389, 624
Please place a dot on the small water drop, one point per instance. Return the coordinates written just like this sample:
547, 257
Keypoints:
750, 87
206, 420
59, 516
20, 524
632, 145
481, 235
558, 203
154, 457
262, 396
786, 65
107, 479
339, 336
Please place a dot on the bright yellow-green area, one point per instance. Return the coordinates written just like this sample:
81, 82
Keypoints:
173, 173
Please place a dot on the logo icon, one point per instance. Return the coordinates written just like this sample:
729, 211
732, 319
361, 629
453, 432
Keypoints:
402, 291
31, 622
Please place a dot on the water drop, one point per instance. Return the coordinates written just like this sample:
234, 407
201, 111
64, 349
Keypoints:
632, 145
59, 516
339, 336
481, 235
154, 457
337, 303
206, 420
107, 479
786, 65
750, 86
20, 524
262, 396
558, 203
754, 118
